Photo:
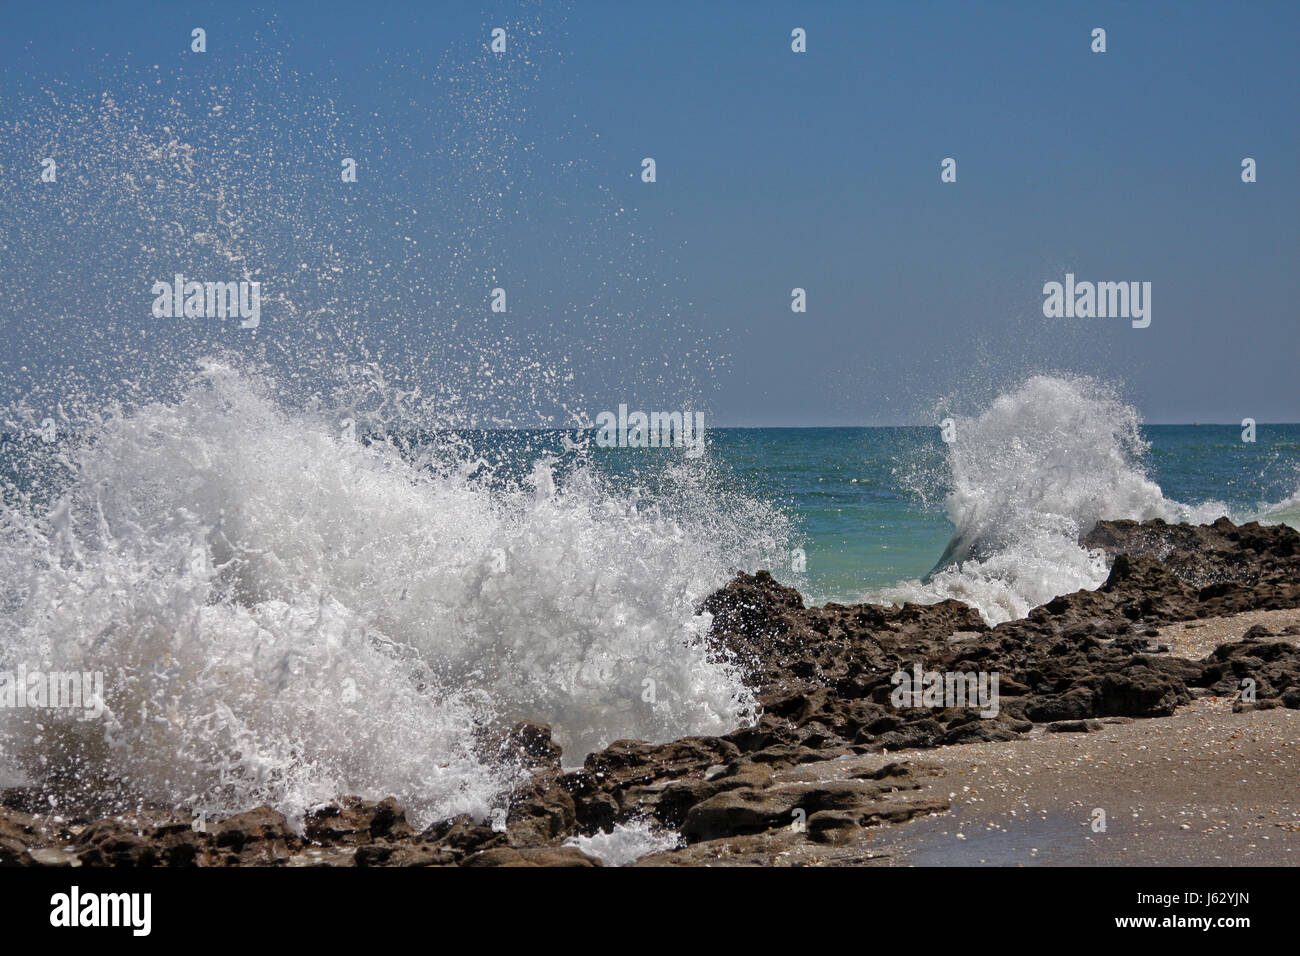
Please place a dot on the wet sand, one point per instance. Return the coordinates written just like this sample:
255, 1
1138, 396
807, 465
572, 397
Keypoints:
1204, 787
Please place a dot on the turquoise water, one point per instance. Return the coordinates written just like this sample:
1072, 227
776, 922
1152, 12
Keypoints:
855, 495
868, 504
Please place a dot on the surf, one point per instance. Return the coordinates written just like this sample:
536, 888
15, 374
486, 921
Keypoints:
284, 614
1026, 479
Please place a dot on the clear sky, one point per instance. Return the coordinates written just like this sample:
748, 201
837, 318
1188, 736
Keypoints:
775, 170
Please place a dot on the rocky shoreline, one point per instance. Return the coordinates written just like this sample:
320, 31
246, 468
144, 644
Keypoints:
809, 772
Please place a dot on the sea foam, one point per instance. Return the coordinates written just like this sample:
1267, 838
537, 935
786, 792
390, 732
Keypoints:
1027, 478
283, 615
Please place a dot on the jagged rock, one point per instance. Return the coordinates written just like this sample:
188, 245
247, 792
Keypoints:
396, 854
1072, 727
111, 843
532, 741
532, 856
540, 812
1203, 556
17, 836
823, 679
832, 826
628, 761
851, 803
739, 812
354, 821
461, 836
178, 844
258, 837
677, 799
1274, 666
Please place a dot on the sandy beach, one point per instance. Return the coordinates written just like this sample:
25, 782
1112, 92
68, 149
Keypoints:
1206, 786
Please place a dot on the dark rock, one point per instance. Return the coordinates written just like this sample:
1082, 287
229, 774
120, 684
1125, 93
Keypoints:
111, 843
17, 835
1071, 727
353, 821
535, 856
832, 826
259, 837
540, 812
532, 741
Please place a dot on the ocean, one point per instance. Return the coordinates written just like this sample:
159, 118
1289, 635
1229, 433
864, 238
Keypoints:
865, 523
285, 610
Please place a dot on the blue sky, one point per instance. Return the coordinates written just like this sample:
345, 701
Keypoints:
775, 170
